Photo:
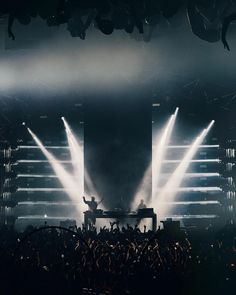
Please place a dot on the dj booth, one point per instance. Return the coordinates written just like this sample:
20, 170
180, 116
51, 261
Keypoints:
119, 215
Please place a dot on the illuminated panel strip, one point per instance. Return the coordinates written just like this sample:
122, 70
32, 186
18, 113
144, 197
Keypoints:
42, 161
72, 203
44, 217
189, 175
202, 216
47, 147
45, 189
194, 161
36, 175
193, 203
174, 217
47, 203
187, 146
194, 189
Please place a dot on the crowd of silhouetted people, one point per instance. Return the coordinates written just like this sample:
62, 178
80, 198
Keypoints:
117, 260
205, 17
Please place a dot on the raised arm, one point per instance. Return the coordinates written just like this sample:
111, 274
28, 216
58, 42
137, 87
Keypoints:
86, 202
100, 202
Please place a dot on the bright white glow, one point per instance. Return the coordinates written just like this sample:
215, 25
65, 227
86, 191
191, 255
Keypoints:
158, 154
192, 189
77, 159
37, 147
194, 161
31, 217
187, 146
77, 156
86, 65
43, 161
193, 203
193, 175
200, 216
154, 169
46, 203
23, 123
176, 178
65, 178
36, 176
46, 189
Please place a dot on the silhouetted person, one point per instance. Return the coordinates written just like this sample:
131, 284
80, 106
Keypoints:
141, 205
93, 204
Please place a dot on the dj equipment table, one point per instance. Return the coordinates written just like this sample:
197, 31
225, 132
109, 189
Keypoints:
142, 213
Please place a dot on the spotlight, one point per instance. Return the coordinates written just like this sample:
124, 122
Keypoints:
176, 178
176, 111
77, 156
154, 169
65, 178
160, 151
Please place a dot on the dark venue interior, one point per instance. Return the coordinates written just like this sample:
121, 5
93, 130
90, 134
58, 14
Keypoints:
117, 147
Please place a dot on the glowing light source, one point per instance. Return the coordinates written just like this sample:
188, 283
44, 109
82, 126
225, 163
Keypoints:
32, 217
36, 176
176, 178
196, 216
193, 203
43, 161
154, 168
64, 177
192, 189
46, 189
77, 159
159, 151
76, 156
187, 146
194, 161
46, 203
193, 175
37, 147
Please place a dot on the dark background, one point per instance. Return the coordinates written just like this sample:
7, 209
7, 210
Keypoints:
110, 83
